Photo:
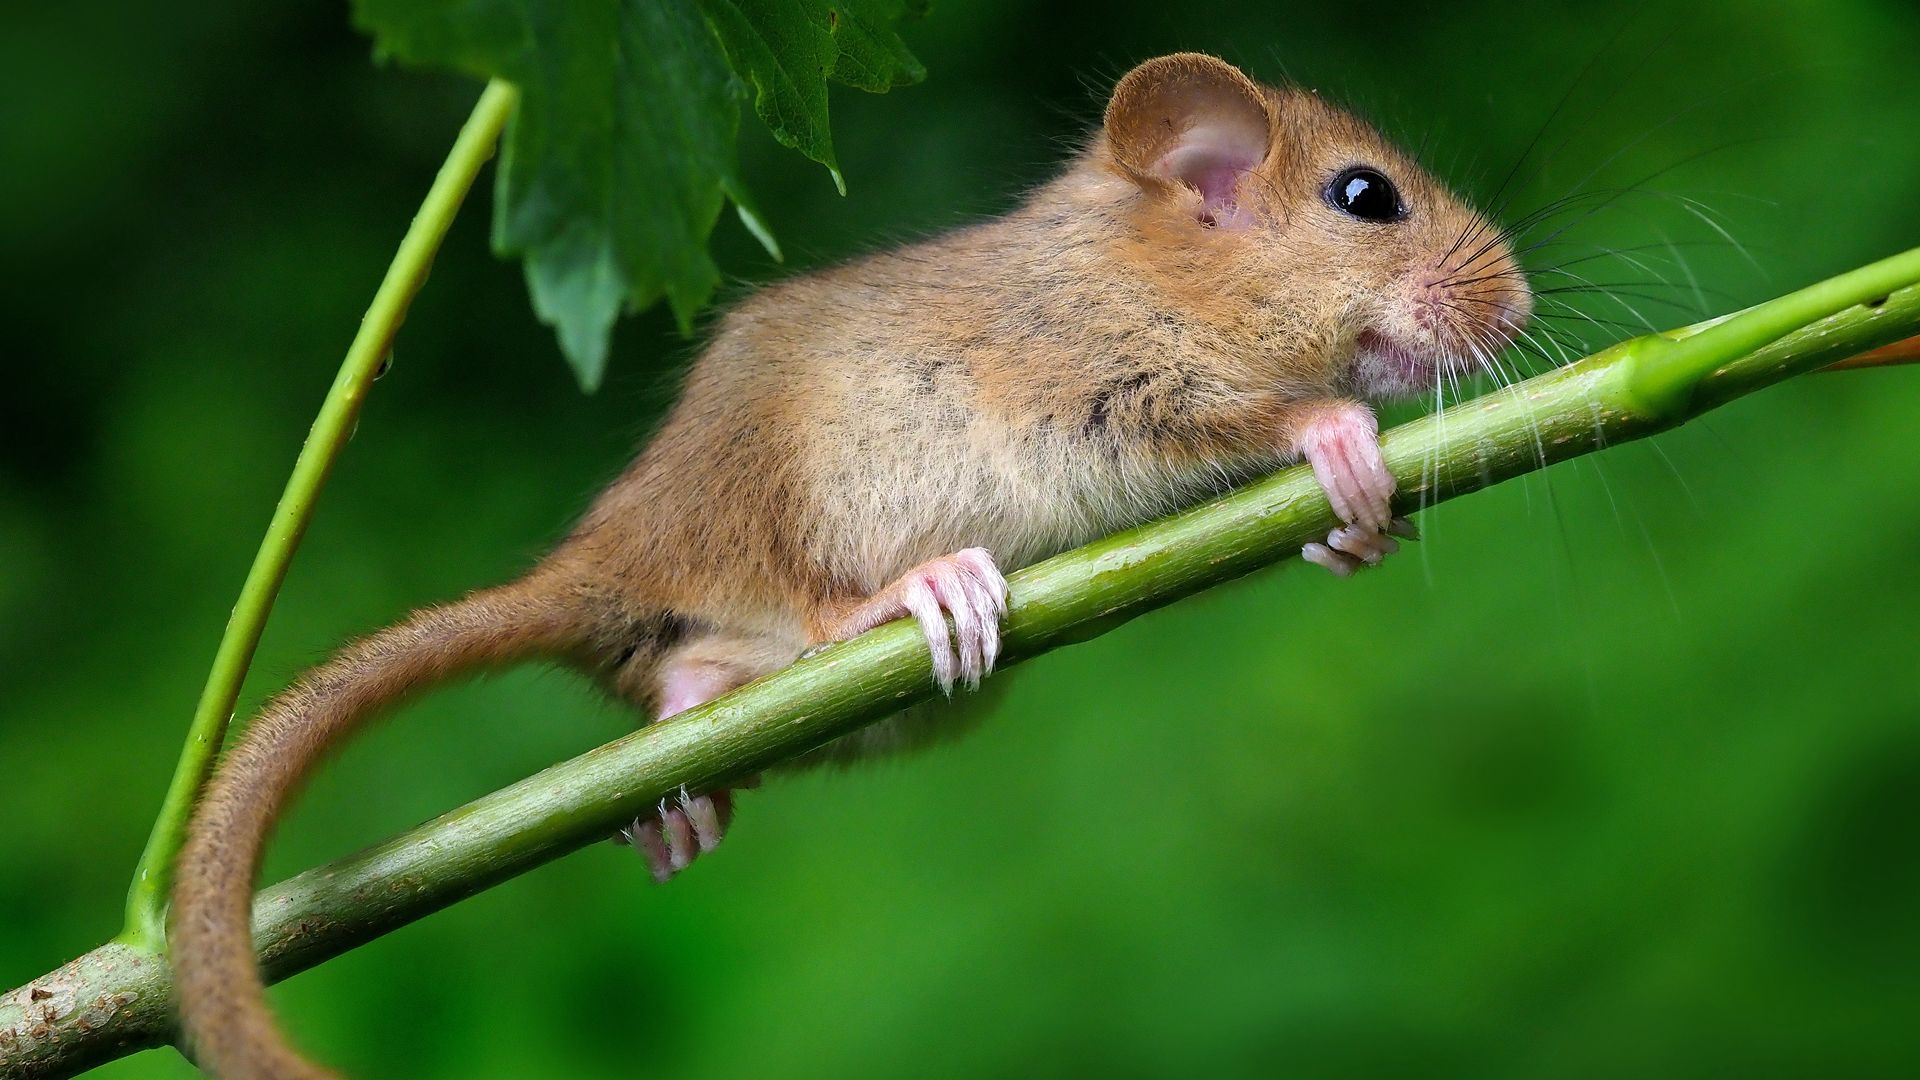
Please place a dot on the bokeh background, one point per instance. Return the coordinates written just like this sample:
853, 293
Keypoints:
1618, 774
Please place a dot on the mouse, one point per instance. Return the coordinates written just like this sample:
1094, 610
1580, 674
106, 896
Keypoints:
1224, 279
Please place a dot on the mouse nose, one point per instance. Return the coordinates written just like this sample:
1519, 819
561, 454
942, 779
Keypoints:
1493, 301
1490, 301
1474, 282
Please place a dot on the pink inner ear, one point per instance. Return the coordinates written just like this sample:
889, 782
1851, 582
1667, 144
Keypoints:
1212, 161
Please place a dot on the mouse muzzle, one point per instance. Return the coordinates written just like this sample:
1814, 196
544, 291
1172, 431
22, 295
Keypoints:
1452, 317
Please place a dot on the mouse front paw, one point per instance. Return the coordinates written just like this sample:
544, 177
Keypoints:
1350, 547
1343, 448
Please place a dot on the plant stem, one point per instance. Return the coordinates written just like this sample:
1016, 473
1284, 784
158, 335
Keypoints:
1692, 354
147, 898
115, 1000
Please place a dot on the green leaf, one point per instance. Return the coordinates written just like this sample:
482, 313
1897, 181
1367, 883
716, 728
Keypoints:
622, 154
788, 49
872, 56
785, 48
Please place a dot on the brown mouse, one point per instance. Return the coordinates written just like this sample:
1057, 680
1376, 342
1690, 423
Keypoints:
1216, 286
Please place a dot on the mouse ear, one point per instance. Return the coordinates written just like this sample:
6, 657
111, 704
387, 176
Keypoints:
1188, 119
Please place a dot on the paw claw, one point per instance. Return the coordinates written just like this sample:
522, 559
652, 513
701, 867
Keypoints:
1403, 528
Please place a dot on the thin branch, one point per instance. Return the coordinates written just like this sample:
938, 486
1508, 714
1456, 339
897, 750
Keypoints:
372, 344
118, 999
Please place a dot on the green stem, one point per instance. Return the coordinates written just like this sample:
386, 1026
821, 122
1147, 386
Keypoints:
1687, 358
118, 999
147, 898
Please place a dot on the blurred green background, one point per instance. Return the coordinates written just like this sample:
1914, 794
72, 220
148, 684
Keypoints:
1618, 774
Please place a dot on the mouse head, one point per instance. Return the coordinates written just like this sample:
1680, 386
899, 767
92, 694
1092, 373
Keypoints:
1278, 202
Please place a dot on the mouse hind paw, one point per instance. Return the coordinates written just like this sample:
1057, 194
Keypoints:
968, 588
680, 830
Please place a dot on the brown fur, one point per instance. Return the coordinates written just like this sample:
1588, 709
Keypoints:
1116, 347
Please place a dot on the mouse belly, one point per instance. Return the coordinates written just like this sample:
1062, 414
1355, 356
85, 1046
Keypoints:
880, 518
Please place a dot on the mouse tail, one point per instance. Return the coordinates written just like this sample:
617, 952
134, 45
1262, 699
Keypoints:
223, 1005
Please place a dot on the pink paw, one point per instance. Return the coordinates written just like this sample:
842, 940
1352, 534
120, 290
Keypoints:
1343, 448
1350, 547
969, 587
680, 830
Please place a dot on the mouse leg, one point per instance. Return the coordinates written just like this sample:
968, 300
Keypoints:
966, 585
685, 826
1342, 445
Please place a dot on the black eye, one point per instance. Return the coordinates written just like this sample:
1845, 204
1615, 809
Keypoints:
1365, 194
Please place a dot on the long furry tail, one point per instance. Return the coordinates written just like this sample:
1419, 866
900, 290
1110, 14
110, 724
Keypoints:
222, 997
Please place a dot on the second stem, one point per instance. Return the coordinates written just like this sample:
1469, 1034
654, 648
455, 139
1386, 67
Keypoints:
153, 879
